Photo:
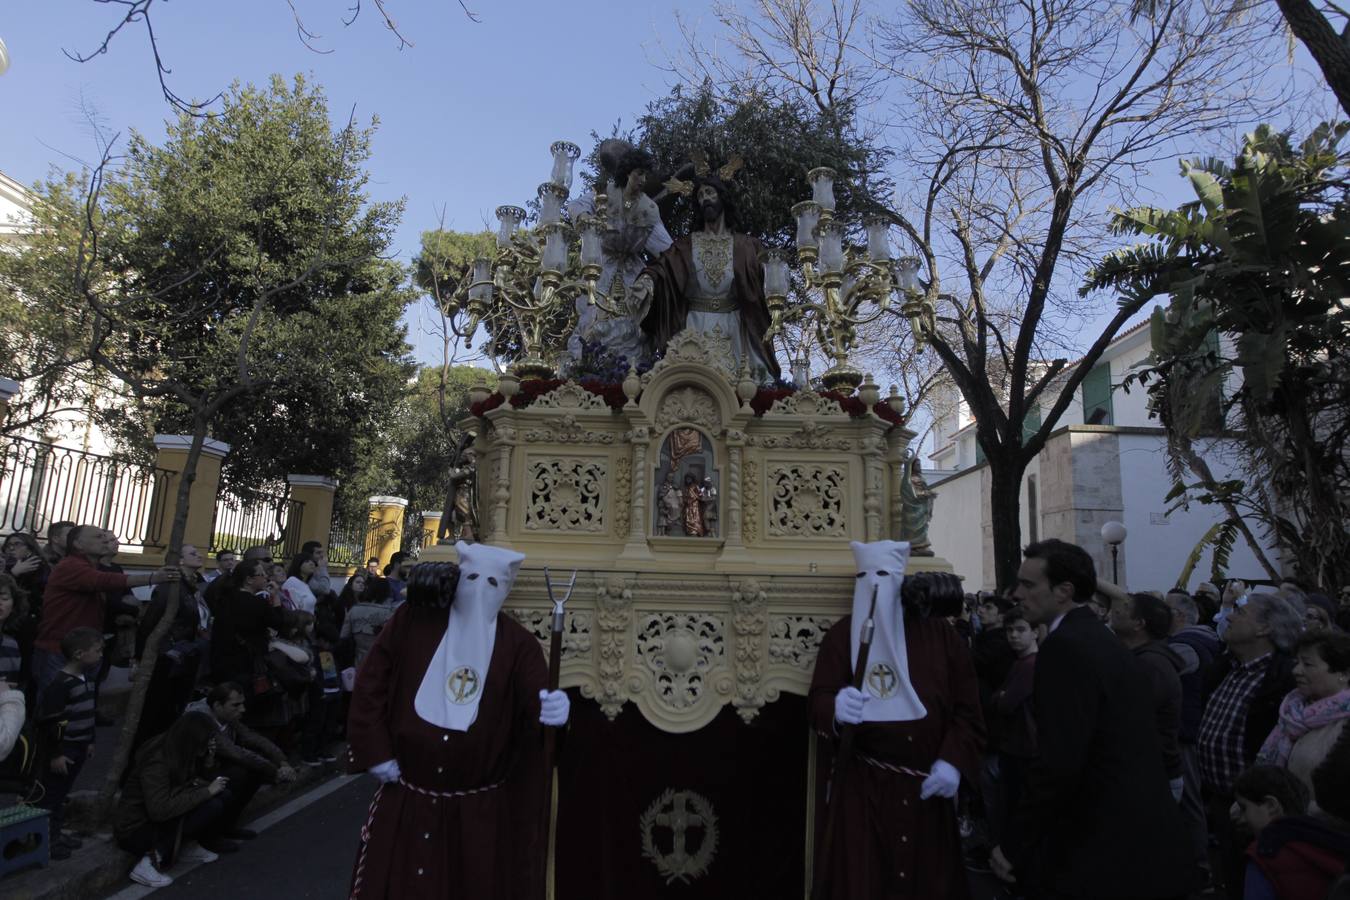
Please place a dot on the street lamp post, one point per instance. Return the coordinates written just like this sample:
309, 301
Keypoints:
1114, 534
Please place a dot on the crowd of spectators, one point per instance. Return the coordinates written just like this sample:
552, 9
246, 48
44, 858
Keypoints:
1248, 693
246, 687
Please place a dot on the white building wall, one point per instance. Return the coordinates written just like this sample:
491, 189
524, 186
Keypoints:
957, 529
1158, 545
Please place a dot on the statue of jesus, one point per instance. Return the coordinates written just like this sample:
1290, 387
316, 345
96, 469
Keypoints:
712, 278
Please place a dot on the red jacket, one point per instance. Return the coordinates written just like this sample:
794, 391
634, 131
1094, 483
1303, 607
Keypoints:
74, 599
1301, 856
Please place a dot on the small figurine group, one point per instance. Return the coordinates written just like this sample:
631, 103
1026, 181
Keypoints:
692, 509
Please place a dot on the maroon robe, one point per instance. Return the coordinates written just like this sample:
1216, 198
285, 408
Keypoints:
889, 844
671, 274
484, 844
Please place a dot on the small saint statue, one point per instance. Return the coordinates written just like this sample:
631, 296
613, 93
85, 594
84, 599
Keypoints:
460, 522
693, 508
669, 507
916, 509
708, 497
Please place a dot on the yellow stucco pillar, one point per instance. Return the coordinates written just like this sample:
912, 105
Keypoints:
171, 453
316, 492
431, 525
385, 535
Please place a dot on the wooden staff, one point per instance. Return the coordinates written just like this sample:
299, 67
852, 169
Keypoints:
551, 734
833, 791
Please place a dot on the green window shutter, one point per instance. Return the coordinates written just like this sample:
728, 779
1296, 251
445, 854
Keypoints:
1031, 424
1097, 396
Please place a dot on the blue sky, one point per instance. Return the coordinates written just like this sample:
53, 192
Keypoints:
466, 113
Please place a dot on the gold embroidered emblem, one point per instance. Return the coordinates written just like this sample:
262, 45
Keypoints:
882, 682
712, 255
462, 685
682, 815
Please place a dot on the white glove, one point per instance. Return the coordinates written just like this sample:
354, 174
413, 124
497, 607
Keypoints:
848, 706
943, 781
386, 772
554, 708
1178, 786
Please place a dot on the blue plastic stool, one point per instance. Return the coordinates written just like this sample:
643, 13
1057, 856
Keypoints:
23, 838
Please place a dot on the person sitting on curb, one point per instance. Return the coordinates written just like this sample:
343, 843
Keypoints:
243, 756
167, 800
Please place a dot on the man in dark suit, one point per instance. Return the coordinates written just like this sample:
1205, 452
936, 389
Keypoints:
1097, 818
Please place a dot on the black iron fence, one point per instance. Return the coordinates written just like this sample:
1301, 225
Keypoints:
348, 539
270, 520
41, 483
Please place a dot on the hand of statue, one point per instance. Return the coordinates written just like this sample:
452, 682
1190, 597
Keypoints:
848, 706
640, 291
942, 781
554, 708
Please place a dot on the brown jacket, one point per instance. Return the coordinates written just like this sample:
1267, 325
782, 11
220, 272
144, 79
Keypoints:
150, 794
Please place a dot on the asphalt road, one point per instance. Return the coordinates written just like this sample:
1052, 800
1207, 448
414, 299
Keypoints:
305, 852
307, 855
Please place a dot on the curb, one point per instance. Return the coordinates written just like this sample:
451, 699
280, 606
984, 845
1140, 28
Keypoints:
101, 866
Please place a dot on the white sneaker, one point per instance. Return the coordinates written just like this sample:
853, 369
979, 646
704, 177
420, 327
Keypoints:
197, 853
145, 873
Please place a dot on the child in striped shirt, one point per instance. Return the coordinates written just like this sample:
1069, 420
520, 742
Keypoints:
65, 713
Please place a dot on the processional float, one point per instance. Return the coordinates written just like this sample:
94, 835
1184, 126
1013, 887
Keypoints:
689, 643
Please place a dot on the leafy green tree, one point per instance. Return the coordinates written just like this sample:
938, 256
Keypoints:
43, 341
233, 282
262, 198
1262, 257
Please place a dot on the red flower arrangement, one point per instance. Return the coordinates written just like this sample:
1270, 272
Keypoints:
534, 388
614, 397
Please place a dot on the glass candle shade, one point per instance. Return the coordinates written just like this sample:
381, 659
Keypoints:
555, 249
808, 217
822, 187
564, 155
590, 241
508, 220
551, 198
775, 273
481, 289
878, 240
907, 274
831, 238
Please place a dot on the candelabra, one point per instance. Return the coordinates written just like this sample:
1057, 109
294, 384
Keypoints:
844, 279
535, 278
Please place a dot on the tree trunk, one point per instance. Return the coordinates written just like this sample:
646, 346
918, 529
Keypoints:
1005, 513
140, 684
1325, 45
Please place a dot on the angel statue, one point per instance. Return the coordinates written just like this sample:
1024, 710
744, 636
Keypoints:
634, 233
